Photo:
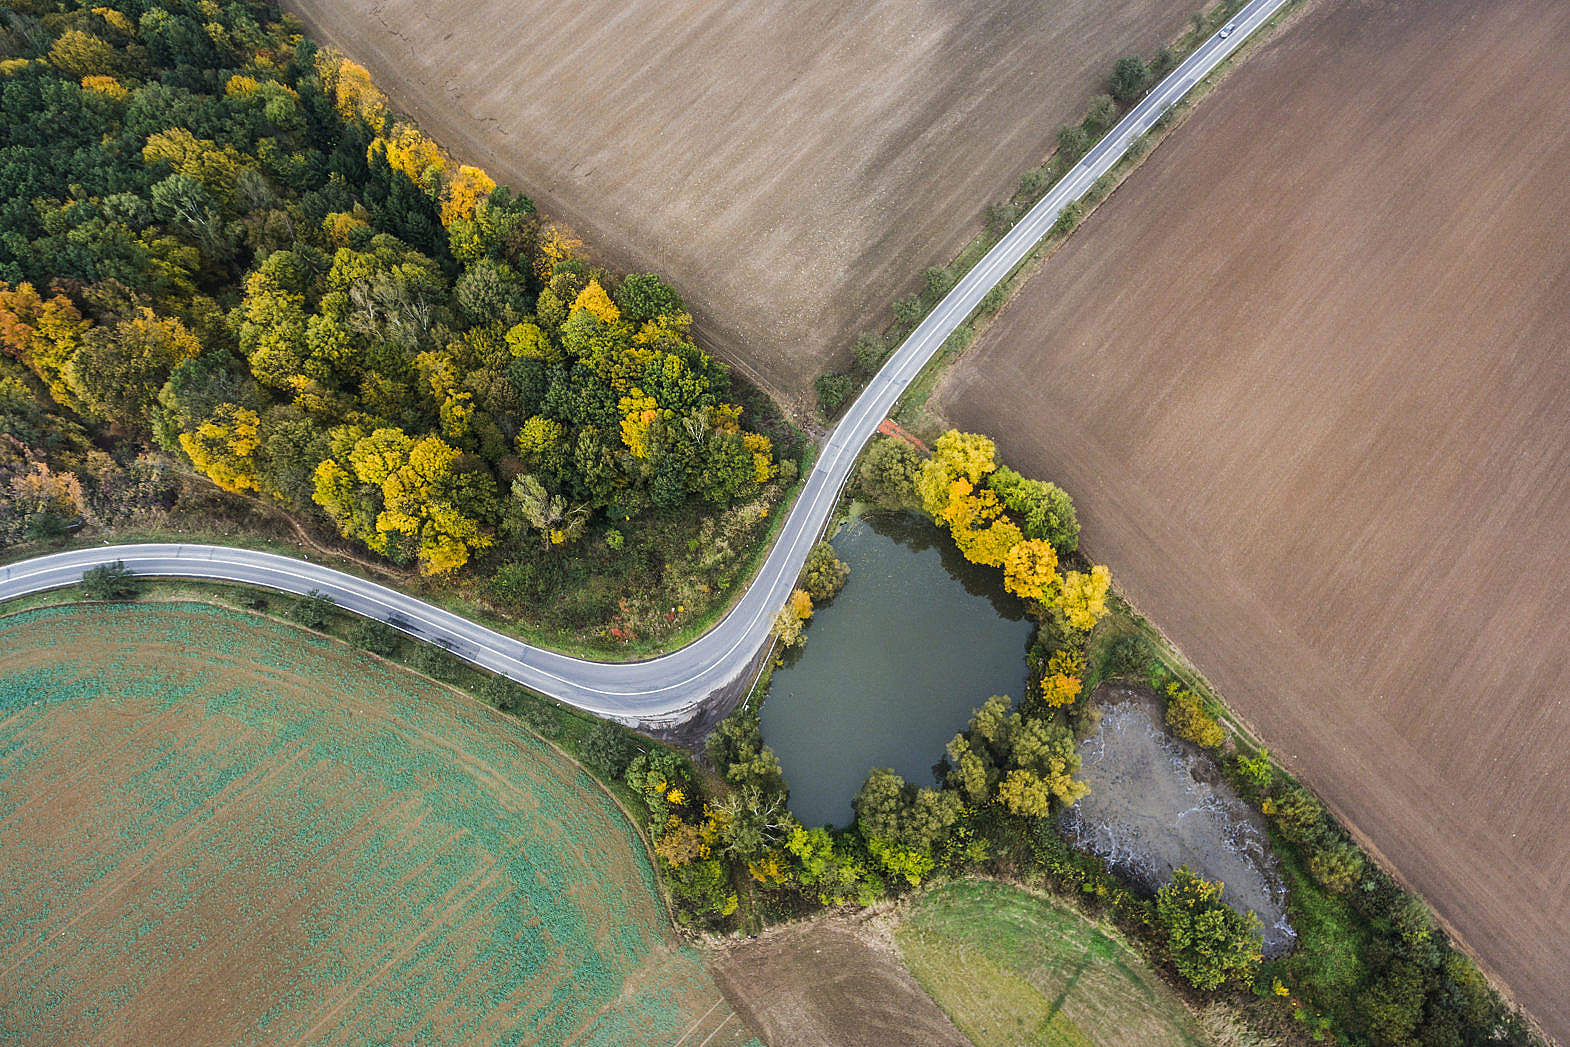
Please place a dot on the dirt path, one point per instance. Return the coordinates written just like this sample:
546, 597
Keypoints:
1307, 377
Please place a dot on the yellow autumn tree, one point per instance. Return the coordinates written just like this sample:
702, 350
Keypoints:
337, 226
1064, 678
1030, 570
680, 843
537, 436
555, 244
354, 95
40, 490
44, 334
788, 622
223, 448
107, 86
399, 492
116, 20
462, 191
763, 465
639, 412
597, 302
409, 150
78, 53
1084, 600
990, 545
531, 343
216, 167
932, 486
970, 455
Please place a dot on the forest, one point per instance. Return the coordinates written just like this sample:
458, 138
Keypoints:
222, 251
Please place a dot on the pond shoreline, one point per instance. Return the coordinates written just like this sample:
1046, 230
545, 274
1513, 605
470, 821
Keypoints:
893, 666
1157, 802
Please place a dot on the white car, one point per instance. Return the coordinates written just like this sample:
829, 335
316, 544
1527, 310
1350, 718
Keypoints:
1226, 32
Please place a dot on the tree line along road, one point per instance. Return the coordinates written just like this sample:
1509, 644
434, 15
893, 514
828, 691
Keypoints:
669, 690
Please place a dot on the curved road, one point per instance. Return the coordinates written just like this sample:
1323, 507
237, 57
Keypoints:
668, 690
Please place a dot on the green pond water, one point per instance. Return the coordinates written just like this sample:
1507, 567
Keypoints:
893, 666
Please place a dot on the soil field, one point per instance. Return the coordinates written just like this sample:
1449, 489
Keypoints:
791, 167
1308, 376
831, 982
221, 829
1012, 968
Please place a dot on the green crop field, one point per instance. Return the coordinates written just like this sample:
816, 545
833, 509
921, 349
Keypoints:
218, 828
1011, 968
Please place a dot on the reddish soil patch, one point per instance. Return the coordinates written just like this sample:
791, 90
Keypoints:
1307, 376
791, 166
832, 982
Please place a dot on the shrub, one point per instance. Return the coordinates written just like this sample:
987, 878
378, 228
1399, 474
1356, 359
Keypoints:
1300, 818
499, 693
1099, 116
994, 300
1069, 217
253, 600
1255, 771
939, 280
541, 717
1337, 867
887, 475
1126, 656
377, 637
311, 610
870, 352
110, 581
908, 311
824, 573
608, 749
1072, 143
999, 218
434, 662
1186, 717
833, 389
1129, 77
1209, 941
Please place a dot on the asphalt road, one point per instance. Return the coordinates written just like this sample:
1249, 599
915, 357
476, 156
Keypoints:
667, 690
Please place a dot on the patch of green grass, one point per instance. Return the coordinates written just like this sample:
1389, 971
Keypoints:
1328, 960
1010, 968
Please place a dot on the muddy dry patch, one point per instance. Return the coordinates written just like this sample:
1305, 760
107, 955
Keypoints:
1157, 803
836, 981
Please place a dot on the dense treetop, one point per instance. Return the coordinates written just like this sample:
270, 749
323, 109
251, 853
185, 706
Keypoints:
220, 241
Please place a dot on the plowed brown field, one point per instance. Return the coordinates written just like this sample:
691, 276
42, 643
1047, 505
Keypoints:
791, 165
1308, 375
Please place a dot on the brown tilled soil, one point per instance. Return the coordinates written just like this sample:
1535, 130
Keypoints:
791, 165
831, 982
1308, 375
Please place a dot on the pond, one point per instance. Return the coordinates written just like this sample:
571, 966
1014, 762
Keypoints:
1157, 803
894, 665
